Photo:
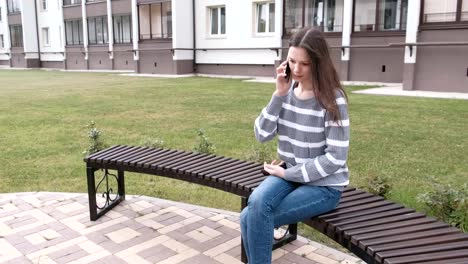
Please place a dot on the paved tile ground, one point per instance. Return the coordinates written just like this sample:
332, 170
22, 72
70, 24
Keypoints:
55, 228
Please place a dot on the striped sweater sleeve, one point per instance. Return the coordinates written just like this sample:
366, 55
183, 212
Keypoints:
266, 123
333, 161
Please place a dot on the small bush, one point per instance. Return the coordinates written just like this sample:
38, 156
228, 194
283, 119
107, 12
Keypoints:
153, 143
204, 145
447, 203
378, 185
260, 153
95, 139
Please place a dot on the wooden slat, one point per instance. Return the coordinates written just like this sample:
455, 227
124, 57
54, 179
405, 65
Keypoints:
358, 219
110, 158
188, 166
221, 169
120, 160
357, 196
394, 228
107, 155
239, 175
160, 158
380, 256
452, 261
430, 238
161, 165
365, 214
100, 153
154, 152
401, 234
367, 200
339, 212
210, 166
387, 220
422, 258
191, 158
243, 167
143, 153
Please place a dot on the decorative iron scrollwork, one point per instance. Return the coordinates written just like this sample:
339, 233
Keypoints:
108, 190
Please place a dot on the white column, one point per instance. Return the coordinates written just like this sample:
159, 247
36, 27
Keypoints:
85, 28
414, 9
182, 29
279, 28
6, 28
135, 29
30, 34
110, 29
347, 28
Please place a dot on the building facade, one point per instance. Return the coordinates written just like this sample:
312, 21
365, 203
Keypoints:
420, 43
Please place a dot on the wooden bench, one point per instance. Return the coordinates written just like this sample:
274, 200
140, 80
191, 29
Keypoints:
375, 229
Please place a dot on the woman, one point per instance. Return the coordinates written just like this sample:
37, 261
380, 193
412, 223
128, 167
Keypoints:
308, 111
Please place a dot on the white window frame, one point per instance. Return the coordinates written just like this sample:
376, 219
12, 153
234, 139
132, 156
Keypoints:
2, 44
256, 17
210, 21
44, 5
45, 36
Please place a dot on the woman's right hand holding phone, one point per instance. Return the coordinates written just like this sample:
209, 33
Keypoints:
283, 79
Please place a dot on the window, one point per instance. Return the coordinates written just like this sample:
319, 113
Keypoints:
44, 5
97, 30
71, 2
45, 36
391, 15
265, 17
123, 29
325, 14
446, 11
13, 6
217, 20
0, 13
16, 35
74, 32
155, 21
2, 44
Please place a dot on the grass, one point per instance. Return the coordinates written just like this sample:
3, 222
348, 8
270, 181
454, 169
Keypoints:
43, 118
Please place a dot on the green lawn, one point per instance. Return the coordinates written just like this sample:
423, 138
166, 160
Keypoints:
43, 115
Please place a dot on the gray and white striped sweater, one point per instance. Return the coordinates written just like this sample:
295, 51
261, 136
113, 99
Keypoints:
314, 147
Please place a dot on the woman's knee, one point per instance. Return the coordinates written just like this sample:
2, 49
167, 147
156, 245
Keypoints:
259, 201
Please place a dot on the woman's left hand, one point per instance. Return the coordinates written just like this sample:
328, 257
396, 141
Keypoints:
274, 168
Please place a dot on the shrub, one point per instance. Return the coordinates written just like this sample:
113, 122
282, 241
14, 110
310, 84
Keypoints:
153, 143
204, 145
378, 185
95, 140
447, 203
260, 153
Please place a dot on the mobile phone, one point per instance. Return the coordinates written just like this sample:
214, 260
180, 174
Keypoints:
288, 71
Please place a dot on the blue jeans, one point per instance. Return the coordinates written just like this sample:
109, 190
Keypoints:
277, 202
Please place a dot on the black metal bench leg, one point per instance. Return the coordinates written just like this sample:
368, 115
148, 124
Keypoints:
121, 185
91, 194
95, 210
243, 254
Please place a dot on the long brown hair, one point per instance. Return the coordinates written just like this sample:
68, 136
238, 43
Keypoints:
324, 76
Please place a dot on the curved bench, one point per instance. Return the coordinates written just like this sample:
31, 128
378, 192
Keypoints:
376, 230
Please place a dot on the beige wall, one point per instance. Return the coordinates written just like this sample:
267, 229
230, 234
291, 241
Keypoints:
442, 68
366, 64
